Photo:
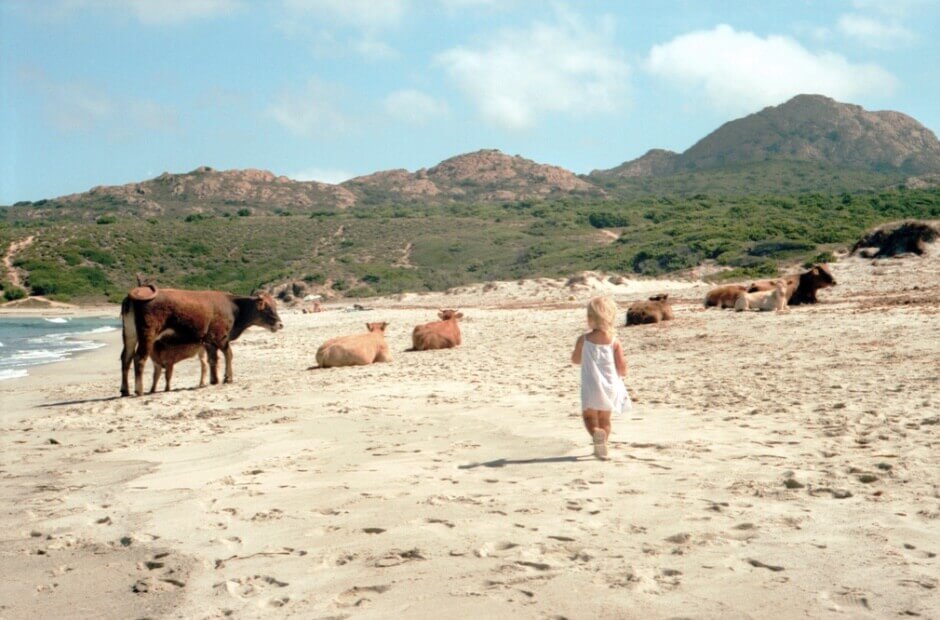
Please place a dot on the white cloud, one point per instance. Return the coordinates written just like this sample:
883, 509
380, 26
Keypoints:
875, 32
740, 71
82, 107
366, 14
323, 175
373, 49
313, 111
148, 12
517, 76
413, 106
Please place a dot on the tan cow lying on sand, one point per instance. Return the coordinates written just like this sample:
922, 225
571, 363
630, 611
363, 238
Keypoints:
724, 296
764, 301
443, 334
655, 310
167, 353
357, 350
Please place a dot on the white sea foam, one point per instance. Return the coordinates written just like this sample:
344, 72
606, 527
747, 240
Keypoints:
12, 373
58, 319
101, 330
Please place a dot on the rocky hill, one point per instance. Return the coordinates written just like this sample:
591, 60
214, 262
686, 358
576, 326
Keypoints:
807, 128
204, 190
483, 177
486, 176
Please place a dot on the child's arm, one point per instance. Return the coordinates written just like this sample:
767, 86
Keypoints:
576, 356
619, 359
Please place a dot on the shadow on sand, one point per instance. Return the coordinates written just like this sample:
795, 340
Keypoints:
104, 399
536, 461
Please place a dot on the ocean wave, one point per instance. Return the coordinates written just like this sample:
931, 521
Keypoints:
12, 373
101, 330
58, 319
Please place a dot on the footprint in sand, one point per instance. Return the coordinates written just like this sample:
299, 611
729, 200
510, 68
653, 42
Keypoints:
248, 587
360, 595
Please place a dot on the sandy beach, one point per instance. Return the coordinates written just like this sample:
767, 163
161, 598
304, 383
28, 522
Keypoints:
776, 465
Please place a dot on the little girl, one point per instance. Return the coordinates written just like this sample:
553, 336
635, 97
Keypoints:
602, 370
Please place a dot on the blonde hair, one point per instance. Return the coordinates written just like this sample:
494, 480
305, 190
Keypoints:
602, 314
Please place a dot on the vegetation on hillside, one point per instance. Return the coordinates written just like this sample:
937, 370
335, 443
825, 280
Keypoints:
378, 250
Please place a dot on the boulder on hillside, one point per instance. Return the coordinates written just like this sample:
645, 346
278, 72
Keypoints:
910, 237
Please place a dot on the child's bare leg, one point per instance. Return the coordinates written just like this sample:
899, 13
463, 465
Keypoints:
590, 420
603, 421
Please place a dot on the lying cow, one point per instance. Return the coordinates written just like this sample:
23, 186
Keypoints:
724, 296
167, 353
764, 301
655, 310
211, 318
357, 350
443, 334
802, 287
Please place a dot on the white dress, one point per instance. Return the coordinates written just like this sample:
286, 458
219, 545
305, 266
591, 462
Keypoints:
601, 387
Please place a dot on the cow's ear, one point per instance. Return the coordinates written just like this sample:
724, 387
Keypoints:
440, 314
384, 325
459, 315
262, 303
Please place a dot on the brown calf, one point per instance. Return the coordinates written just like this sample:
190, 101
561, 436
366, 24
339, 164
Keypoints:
724, 296
443, 334
166, 354
655, 310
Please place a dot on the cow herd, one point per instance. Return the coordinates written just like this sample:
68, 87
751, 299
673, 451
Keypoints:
763, 295
170, 325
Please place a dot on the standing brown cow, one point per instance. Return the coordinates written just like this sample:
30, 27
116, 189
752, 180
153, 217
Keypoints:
211, 318
443, 334
801, 287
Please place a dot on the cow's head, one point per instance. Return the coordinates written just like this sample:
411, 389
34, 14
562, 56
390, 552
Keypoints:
267, 313
446, 315
376, 328
821, 276
780, 285
660, 297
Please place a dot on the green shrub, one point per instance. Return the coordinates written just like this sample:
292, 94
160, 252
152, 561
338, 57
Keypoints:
106, 219
608, 219
12, 293
244, 212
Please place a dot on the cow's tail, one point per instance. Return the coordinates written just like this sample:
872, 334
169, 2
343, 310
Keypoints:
128, 328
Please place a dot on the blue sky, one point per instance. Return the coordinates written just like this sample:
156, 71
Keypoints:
100, 92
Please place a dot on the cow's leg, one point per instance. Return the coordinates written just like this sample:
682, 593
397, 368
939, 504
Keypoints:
157, 368
144, 350
203, 368
213, 354
229, 377
129, 330
169, 375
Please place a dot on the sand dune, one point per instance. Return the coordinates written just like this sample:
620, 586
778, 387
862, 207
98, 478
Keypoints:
775, 466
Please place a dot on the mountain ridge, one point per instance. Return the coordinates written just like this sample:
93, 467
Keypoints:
811, 130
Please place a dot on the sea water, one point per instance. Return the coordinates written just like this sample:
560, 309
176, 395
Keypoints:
31, 341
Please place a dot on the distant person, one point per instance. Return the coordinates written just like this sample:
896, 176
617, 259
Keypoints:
602, 370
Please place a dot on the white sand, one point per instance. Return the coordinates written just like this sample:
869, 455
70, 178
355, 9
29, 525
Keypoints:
457, 483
